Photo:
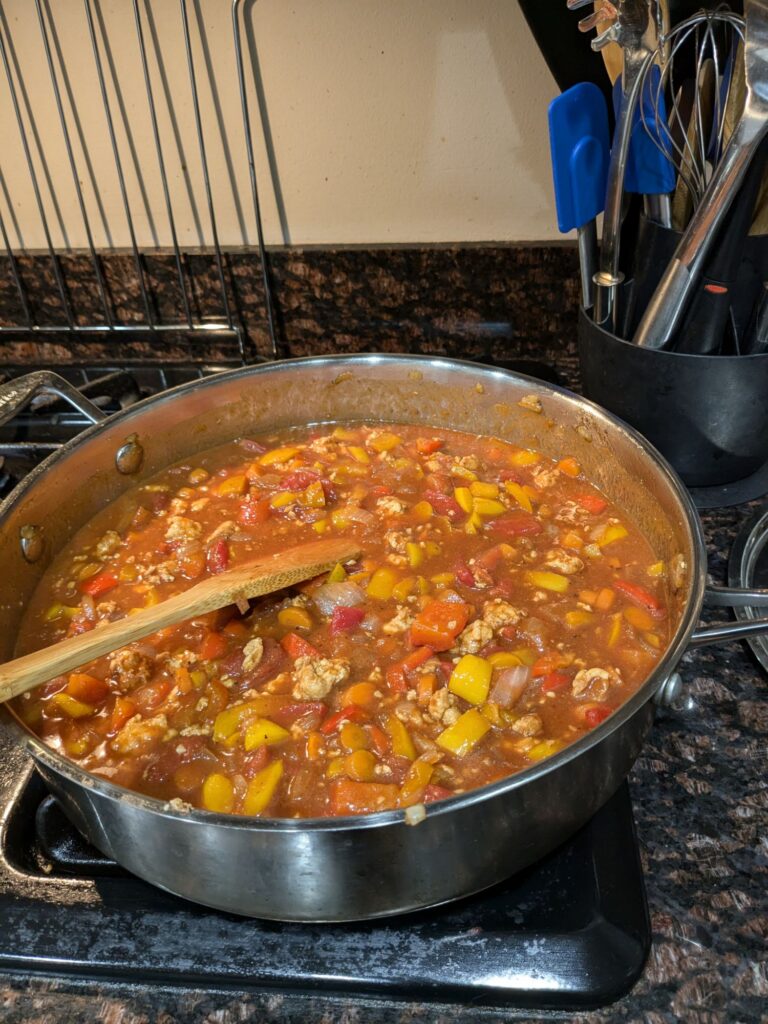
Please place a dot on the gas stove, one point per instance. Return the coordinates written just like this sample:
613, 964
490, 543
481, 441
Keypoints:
571, 932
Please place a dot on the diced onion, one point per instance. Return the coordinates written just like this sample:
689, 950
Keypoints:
89, 607
337, 595
357, 515
509, 685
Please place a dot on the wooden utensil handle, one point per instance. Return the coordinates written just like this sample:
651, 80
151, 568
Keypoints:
255, 579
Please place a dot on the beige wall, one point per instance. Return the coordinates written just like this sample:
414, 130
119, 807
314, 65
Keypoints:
391, 120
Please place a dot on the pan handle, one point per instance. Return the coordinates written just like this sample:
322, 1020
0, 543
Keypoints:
17, 394
732, 597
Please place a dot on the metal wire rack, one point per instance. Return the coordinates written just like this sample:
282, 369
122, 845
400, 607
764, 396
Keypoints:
62, 315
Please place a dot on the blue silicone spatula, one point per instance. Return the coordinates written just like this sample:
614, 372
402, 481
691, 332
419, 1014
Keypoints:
580, 147
648, 171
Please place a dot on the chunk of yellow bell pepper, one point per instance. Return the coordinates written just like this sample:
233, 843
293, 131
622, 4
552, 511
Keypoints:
479, 489
218, 793
422, 511
294, 617
402, 744
463, 496
517, 491
71, 705
237, 484
465, 733
487, 507
415, 554
415, 782
359, 454
548, 581
384, 442
262, 788
524, 458
337, 574
277, 455
381, 584
263, 733
471, 679
610, 534
546, 748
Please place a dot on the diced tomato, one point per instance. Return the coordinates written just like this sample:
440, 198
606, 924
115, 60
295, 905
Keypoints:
352, 713
151, 695
213, 646
99, 584
491, 558
309, 712
444, 504
555, 681
379, 739
428, 445
253, 512
217, 556
594, 716
237, 629
254, 761
432, 793
515, 524
549, 663
510, 474
592, 503
640, 596
464, 576
438, 624
344, 619
297, 647
299, 479
349, 797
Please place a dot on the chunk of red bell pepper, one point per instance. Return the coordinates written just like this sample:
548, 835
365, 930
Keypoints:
640, 596
352, 713
99, 584
297, 647
592, 503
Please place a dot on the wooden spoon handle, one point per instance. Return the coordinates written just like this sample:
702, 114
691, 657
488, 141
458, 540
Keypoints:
254, 579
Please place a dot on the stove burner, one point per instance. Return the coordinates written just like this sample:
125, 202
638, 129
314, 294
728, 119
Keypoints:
571, 932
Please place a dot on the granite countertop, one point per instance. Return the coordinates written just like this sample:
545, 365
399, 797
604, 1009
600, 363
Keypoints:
700, 795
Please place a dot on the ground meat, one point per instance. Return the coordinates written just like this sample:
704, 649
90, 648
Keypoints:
563, 562
108, 544
546, 477
498, 613
315, 677
401, 621
443, 706
253, 653
571, 513
138, 733
390, 506
528, 725
162, 572
182, 659
181, 530
106, 609
130, 668
474, 637
594, 682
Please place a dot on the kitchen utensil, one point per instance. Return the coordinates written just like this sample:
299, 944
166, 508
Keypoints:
351, 868
710, 304
635, 29
251, 579
669, 302
649, 172
578, 139
707, 414
756, 339
566, 51
696, 144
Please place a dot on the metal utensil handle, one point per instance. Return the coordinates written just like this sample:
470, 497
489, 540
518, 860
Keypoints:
736, 597
17, 394
726, 631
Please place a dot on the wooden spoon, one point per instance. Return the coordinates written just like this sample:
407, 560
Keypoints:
254, 579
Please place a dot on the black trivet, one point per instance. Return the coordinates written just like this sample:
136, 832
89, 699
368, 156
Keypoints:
571, 932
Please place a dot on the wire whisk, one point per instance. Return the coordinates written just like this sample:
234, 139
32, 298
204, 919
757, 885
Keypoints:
700, 86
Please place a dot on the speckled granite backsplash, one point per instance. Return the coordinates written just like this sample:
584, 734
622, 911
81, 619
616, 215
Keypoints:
452, 300
700, 787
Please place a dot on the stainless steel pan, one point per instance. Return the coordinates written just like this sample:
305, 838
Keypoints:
350, 868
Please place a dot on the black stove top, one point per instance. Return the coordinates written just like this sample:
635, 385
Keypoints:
571, 932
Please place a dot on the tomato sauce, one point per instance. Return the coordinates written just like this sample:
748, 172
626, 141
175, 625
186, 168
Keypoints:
502, 608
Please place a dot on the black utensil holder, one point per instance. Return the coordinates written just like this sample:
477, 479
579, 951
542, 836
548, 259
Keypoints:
708, 415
